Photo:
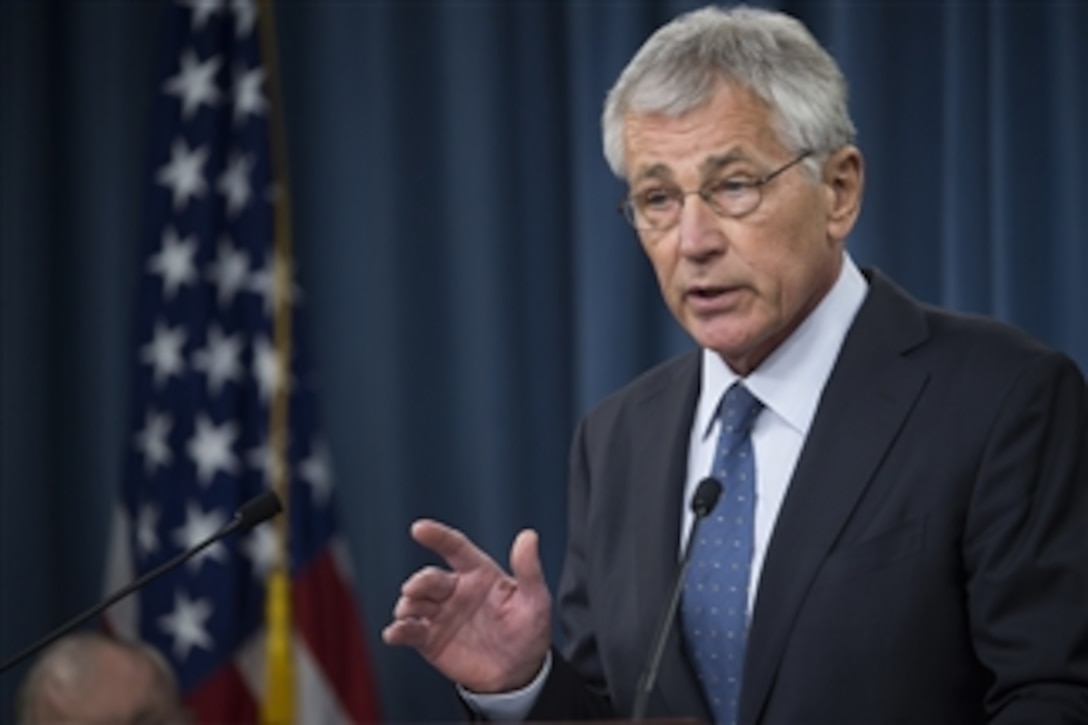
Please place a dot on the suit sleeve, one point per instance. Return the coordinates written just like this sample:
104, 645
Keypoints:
1026, 549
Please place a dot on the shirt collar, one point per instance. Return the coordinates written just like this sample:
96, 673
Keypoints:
792, 378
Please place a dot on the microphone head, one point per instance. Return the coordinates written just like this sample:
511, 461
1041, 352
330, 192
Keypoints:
258, 510
706, 497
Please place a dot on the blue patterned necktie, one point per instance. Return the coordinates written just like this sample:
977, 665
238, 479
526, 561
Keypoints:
715, 598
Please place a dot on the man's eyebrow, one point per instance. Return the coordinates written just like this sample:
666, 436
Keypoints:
716, 163
708, 167
654, 171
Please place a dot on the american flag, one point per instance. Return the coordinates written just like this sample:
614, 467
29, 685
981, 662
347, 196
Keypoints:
212, 399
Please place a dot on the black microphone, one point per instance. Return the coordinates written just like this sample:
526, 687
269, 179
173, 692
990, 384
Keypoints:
702, 503
254, 511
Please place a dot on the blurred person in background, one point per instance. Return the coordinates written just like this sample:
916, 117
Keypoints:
90, 677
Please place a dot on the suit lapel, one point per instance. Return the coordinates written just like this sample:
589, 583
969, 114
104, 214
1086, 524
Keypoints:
662, 448
865, 403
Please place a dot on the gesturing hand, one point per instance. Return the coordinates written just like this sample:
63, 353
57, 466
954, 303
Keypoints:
480, 627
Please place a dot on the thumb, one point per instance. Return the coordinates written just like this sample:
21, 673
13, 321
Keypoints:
525, 563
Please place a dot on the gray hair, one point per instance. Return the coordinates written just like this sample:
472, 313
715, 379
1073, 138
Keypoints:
773, 55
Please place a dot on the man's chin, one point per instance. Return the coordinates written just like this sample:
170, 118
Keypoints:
734, 347
719, 335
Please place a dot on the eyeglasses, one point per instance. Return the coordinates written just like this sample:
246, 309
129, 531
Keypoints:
658, 209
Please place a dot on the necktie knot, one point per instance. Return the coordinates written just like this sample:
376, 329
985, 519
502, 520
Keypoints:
737, 412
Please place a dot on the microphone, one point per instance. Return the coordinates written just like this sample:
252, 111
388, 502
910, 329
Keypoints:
257, 510
702, 503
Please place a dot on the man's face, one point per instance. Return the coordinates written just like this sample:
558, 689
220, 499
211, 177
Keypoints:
740, 286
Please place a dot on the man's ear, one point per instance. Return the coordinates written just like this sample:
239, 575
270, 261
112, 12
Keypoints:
844, 178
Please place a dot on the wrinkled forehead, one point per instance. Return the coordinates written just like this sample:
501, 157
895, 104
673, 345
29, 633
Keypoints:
732, 126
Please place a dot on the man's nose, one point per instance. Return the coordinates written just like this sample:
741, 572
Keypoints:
699, 227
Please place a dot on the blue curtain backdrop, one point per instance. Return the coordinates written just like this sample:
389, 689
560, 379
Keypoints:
469, 289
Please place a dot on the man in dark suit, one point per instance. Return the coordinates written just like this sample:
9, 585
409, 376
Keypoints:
915, 547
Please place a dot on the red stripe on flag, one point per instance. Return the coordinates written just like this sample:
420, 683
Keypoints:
222, 698
326, 618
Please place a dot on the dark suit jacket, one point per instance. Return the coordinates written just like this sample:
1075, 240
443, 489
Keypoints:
929, 563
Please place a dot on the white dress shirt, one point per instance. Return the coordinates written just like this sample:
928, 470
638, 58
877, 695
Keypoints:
789, 383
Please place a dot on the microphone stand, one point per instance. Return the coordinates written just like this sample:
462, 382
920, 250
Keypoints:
702, 503
251, 513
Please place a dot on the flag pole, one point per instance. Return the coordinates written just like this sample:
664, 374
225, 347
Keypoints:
278, 705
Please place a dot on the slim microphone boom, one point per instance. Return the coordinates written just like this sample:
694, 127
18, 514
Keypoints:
702, 503
254, 511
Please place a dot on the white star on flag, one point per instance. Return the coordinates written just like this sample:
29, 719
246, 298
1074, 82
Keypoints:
220, 359
163, 353
198, 527
151, 441
245, 16
229, 271
174, 261
210, 448
261, 458
267, 369
195, 83
248, 99
317, 471
262, 549
146, 524
184, 174
186, 624
234, 182
263, 283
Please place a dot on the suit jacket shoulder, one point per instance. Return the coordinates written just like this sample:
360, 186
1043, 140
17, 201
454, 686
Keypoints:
946, 460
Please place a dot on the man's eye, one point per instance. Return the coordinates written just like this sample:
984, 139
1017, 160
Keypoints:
655, 199
733, 186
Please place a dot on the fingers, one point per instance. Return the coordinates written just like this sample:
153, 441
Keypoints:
525, 563
416, 609
476, 624
426, 594
449, 543
421, 599
407, 632
462, 555
431, 583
